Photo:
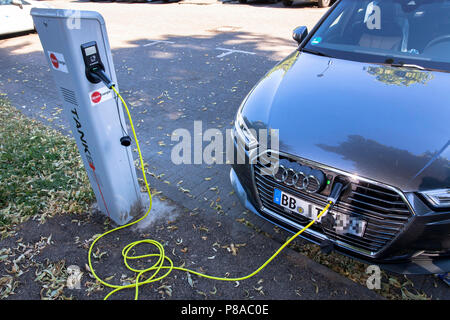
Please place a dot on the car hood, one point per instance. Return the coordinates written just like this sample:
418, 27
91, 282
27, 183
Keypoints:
383, 123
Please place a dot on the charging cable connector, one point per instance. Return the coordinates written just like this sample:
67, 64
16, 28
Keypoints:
336, 192
99, 73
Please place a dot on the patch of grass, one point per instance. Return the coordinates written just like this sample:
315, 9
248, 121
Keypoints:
41, 171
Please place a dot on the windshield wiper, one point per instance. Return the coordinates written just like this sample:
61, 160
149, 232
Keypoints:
407, 65
400, 64
410, 66
318, 53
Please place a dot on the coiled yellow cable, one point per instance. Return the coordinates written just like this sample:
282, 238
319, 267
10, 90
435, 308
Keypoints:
161, 257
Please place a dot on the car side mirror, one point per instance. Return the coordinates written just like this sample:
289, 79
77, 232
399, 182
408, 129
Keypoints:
17, 3
299, 34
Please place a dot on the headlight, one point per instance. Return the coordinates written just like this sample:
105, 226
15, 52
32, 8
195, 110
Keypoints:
248, 136
438, 198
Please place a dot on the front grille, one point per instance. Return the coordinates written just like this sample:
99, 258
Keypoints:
383, 208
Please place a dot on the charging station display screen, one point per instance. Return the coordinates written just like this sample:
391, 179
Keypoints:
90, 50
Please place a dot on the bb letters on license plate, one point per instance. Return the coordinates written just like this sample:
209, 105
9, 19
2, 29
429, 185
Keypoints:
296, 205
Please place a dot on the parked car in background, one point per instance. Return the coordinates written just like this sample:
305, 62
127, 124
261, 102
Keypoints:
245, 1
15, 15
321, 3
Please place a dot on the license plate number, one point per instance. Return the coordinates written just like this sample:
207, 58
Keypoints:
343, 223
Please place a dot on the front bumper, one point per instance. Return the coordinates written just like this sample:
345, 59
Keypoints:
422, 247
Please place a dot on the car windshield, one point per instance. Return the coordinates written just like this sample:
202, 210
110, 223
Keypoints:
403, 32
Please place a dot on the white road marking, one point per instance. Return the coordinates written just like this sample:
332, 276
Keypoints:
230, 51
156, 42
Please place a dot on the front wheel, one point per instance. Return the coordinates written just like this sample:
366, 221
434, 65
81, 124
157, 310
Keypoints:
324, 3
288, 3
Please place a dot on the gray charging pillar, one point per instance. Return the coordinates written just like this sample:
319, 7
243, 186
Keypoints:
92, 109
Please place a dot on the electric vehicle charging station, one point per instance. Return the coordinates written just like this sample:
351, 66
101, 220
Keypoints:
93, 110
80, 59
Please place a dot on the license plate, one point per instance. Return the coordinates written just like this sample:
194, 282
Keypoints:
343, 223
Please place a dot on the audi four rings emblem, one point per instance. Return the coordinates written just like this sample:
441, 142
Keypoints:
299, 176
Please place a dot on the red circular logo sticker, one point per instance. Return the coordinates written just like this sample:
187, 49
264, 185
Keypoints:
96, 97
54, 61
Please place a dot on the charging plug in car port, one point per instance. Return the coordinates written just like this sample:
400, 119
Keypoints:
340, 185
328, 222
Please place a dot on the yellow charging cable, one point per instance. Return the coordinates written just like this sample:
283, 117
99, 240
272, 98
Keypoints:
161, 257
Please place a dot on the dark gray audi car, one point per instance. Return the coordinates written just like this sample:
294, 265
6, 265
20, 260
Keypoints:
364, 100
